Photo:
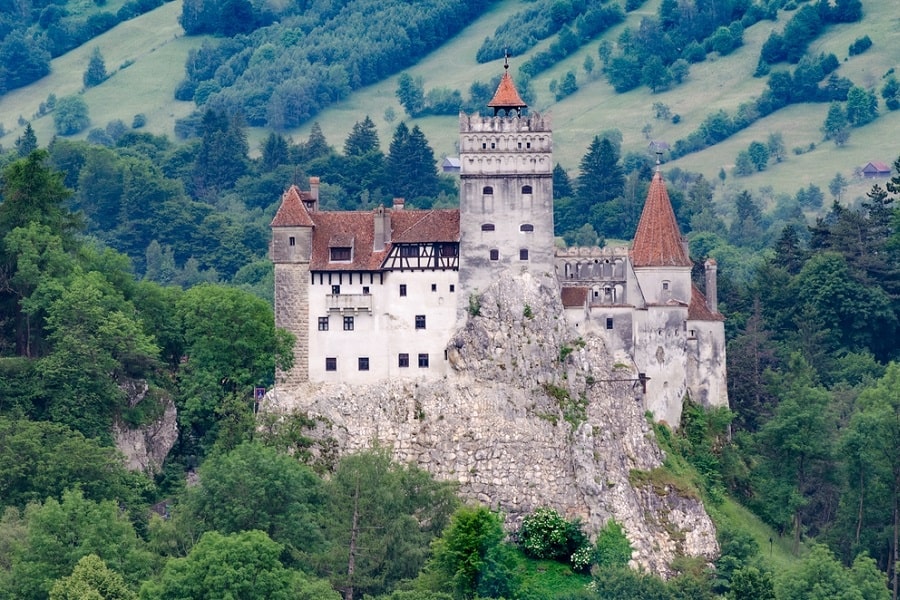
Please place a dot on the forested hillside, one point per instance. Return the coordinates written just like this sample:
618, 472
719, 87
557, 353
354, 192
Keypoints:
132, 260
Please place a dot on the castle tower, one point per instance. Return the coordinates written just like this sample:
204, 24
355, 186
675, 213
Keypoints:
662, 267
506, 191
291, 250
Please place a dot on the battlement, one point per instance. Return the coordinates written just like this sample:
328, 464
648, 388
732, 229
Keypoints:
533, 122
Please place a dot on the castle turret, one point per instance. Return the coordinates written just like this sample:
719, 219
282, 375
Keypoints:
506, 191
291, 250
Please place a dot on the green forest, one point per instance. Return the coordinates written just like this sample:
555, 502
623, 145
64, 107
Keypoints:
134, 277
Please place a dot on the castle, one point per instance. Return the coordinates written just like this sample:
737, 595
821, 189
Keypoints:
377, 295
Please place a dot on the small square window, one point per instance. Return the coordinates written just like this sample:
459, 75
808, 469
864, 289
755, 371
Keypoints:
523, 254
483, 146
348, 323
452, 288
420, 321
495, 255
331, 364
423, 361
403, 360
402, 289
665, 285
493, 145
528, 145
365, 290
335, 289
363, 363
609, 323
323, 323
292, 241
433, 287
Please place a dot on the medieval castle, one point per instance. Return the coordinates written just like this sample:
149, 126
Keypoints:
376, 295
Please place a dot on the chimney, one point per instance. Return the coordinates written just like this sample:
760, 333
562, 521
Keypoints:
398, 203
712, 301
382, 229
313, 194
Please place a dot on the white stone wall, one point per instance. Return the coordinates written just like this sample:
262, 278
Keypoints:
387, 330
664, 284
706, 368
660, 352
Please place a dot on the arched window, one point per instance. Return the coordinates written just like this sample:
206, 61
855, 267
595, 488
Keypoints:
526, 227
487, 227
526, 189
487, 190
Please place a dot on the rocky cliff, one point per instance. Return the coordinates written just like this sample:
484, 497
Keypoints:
532, 415
146, 446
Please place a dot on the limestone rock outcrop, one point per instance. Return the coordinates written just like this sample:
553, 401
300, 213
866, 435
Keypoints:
531, 415
145, 447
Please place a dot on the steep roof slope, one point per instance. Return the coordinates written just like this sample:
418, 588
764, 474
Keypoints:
657, 241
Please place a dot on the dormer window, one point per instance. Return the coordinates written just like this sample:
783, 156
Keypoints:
487, 190
409, 251
341, 253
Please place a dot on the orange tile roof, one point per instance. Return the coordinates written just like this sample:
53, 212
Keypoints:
292, 212
357, 230
698, 310
506, 95
657, 241
574, 296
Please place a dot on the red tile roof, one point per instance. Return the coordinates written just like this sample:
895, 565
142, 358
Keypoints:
356, 229
657, 241
292, 212
698, 310
574, 296
506, 95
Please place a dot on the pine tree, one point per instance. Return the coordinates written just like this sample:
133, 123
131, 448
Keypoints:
836, 126
562, 185
27, 142
601, 178
363, 138
412, 166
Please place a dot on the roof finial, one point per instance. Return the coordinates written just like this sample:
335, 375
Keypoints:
506, 58
658, 159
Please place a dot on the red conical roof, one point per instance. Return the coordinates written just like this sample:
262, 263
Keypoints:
506, 96
292, 212
657, 241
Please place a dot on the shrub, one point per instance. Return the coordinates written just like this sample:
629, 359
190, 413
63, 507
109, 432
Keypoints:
546, 534
860, 45
613, 548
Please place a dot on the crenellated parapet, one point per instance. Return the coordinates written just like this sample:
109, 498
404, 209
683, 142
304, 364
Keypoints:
533, 122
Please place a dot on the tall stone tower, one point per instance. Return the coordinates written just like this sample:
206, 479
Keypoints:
506, 191
291, 250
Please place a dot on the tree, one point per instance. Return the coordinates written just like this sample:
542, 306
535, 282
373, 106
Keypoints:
316, 145
27, 142
775, 144
836, 126
862, 106
412, 167
411, 94
562, 186
759, 155
91, 578
95, 74
274, 151
655, 75
363, 139
819, 576
836, 186
24, 60
470, 554
546, 534
891, 93
232, 345
601, 178
383, 516
242, 565
568, 85
70, 115
255, 487
222, 157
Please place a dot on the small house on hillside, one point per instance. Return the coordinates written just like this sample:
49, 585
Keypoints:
450, 164
876, 170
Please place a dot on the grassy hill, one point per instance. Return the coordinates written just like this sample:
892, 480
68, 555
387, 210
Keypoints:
157, 47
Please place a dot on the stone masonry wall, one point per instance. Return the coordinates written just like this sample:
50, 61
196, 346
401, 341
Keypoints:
531, 415
292, 313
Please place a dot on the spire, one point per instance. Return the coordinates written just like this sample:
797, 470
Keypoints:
506, 97
292, 212
657, 241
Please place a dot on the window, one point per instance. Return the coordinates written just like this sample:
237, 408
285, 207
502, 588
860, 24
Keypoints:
609, 323
495, 255
423, 361
402, 289
487, 190
528, 145
487, 227
363, 363
526, 227
526, 189
452, 288
433, 287
403, 360
420, 321
335, 289
665, 285
493, 145
484, 145
292, 241
323, 323
408, 251
446, 250
348, 323
523, 254
331, 364
365, 290
520, 145
340, 253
